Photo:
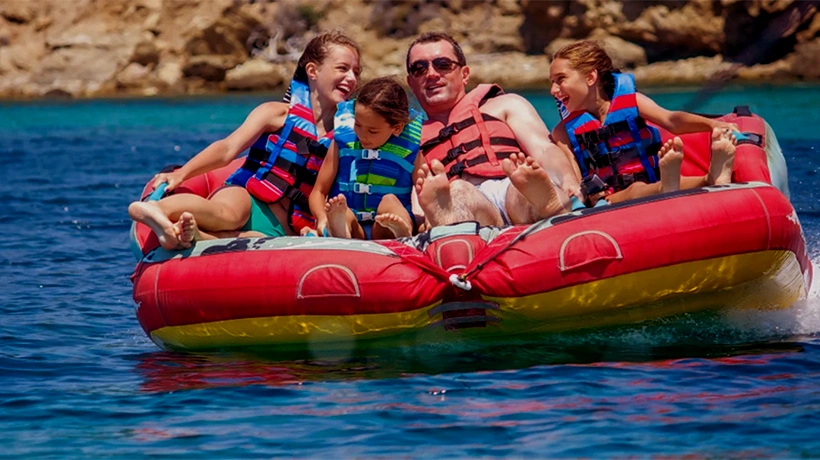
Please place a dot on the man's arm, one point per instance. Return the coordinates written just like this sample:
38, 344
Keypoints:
534, 138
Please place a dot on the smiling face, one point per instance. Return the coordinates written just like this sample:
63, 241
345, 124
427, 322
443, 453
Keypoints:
371, 128
337, 77
437, 90
575, 90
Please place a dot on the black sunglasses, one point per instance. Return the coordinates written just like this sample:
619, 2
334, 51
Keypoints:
441, 64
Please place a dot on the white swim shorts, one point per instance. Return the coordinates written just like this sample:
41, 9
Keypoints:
496, 191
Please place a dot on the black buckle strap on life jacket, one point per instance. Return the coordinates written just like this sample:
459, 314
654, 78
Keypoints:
289, 191
591, 138
460, 149
317, 149
447, 132
459, 168
622, 181
300, 174
591, 185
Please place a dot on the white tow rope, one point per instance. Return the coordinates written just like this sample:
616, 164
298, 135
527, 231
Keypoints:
460, 283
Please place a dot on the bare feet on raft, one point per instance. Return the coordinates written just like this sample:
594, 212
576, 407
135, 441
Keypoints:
337, 209
398, 226
187, 230
433, 189
723, 157
150, 214
529, 178
671, 158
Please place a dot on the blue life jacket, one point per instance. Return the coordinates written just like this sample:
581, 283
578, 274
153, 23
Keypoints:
622, 151
285, 164
365, 176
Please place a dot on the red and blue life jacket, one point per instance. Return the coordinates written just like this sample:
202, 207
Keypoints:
365, 176
285, 164
622, 151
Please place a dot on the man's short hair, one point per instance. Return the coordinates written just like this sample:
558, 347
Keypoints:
432, 37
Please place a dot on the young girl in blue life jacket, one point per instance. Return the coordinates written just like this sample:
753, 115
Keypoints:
604, 129
370, 166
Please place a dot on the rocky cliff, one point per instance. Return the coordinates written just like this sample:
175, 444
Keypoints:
88, 48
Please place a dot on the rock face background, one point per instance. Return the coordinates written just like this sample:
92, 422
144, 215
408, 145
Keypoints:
89, 48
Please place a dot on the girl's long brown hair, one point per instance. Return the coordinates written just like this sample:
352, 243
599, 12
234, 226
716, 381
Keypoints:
586, 56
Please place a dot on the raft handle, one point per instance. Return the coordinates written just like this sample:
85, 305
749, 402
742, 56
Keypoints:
158, 192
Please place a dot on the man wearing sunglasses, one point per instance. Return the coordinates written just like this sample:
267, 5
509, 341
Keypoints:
479, 143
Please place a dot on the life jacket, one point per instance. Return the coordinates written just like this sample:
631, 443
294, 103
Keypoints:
365, 176
471, 141
285, 164
622, 151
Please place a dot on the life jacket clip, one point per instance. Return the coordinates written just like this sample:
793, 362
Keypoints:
457, 169
447, 131
358, 187
370, 154
365, 216
592, 185
454, 152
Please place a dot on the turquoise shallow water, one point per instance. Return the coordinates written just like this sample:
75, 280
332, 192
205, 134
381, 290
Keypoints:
78, 378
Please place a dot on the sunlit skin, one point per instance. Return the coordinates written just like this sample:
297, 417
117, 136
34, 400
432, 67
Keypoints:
575, 90
437, 92
372, 129
337, 77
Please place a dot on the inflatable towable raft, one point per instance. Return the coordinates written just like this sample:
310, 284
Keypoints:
737, 246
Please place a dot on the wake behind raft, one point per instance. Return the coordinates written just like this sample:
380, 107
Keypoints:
736, 246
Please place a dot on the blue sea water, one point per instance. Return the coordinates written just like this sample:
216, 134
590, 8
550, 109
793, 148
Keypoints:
78, 377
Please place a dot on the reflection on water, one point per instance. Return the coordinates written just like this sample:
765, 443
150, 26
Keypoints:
657, 345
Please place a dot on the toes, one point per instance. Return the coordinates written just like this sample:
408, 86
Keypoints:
436, 167
677, 143
507, 165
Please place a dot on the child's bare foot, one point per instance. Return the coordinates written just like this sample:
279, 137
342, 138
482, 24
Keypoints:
400, 227
723, 157
336, 209
150, 214
529, 178
187, 230
671, 158
433, 189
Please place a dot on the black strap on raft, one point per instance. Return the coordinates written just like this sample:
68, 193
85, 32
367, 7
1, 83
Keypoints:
170, 168
742, 111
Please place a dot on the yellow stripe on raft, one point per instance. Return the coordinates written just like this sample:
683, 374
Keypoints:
301, 329
766, 279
